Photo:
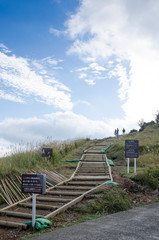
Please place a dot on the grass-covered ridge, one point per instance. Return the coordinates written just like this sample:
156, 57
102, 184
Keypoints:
148, 161
148, 146
21, 160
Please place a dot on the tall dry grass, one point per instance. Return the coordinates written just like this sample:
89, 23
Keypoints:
25, 157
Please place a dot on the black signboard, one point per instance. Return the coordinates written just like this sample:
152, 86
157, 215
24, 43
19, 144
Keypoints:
46, 152
131, 148
34, 183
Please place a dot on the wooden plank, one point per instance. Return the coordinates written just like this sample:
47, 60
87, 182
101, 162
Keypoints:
59, 200
38, 206
84, 183
13, 224
92, 161
93, 164
15, 204
20, 182
87, 169
94, 152
92, 178
19, 214
17, 198
51, 175
15, 187
6, 192
78, 166
5, 196
68, 193
111, 177
90, 174
9, 190
73, 187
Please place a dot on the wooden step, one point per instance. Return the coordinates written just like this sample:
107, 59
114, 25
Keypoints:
74, 188
94, 152
92, 178
18, 214
88, 170
48, 199
90, 174
92, 164
92, 161
38, 206
93, 167
67, 193
83, 183
13, 224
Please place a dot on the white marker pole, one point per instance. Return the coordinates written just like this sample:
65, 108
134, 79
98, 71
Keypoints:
128, 166
33, 209
134, 165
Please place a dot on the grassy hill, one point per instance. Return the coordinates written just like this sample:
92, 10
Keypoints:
21, 161
148, 161
134, 189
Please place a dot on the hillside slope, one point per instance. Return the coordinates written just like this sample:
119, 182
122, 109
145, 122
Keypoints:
148, 148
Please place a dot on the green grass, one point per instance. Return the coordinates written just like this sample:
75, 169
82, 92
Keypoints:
148, 161
83, 218
149, 177
148, 146
131, 173
112, 199
21, 161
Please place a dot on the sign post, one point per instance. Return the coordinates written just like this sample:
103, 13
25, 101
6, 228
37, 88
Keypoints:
128, 166
134, 165
33, 209
35, 184
131, 151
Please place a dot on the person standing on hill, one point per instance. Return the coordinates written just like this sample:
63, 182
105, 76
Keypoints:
117, 132
123, 131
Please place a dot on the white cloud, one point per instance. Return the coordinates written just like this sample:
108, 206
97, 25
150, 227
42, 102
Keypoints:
96, 67
59, 125
123, 78
51, 61
4, 147
128, 31
22, 77
143, 94
10, 97
55, 31
82, 69
90, 82
4, 48
93, 70
82, 102
83, 75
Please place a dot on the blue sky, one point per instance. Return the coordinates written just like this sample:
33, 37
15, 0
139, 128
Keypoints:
76, 68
